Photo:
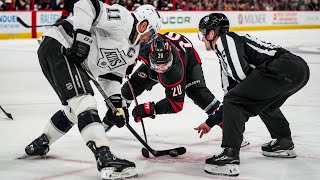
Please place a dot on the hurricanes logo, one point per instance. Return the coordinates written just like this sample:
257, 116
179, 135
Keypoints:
142, 75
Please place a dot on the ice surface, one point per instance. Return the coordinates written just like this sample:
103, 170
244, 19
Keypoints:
25, 93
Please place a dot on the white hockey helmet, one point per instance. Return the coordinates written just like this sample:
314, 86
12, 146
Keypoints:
149, 13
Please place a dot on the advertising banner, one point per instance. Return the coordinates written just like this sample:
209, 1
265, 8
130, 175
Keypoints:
178, 21
11, 28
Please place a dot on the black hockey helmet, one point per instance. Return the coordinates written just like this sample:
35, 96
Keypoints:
160, 55
214, 21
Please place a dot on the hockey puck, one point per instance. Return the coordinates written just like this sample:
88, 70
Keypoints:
145, 153
173, 153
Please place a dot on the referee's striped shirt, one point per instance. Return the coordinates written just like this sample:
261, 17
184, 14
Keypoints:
239, 54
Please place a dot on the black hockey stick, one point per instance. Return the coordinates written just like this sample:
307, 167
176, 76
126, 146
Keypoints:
7, 114
144, 151
136, 102
171, 152
28, 26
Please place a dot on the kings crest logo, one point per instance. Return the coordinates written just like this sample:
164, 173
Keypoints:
111, 58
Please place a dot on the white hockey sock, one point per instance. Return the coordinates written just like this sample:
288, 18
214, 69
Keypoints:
52, 133
95, 132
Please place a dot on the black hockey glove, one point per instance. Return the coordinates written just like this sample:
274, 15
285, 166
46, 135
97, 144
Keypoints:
80, 48
143, 110
121, 117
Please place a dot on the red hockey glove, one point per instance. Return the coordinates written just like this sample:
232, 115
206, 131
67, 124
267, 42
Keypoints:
143, 110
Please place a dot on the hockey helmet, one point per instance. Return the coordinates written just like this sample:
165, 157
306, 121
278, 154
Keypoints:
214, 21
149, 13
160, 55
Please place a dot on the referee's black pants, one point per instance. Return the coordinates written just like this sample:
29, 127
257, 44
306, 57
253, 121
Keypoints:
262, 93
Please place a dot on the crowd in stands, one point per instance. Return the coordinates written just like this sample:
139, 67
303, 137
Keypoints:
185, 5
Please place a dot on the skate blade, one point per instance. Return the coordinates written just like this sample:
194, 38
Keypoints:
244, 143
280, 154
109, 173
26, 156
222, 170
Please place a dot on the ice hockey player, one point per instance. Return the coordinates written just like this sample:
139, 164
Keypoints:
102, 40
171, 61
257, 78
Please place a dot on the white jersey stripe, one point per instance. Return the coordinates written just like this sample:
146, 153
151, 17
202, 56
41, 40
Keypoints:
225, 82
71, 76
235, 59
222, 53
263, 51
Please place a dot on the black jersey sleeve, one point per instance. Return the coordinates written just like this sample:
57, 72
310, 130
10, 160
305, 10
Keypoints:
174, 100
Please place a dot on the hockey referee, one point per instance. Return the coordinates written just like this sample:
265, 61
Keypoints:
257, 78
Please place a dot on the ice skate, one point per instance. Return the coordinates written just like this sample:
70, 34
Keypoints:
110, 166
282, 148
38, 147
226, 163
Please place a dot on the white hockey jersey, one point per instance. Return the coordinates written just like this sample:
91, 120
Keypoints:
111, 50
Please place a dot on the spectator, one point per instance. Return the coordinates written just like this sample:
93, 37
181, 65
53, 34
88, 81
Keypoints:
56, 4
20, 5
129, 5
253, 5
3, 5
44, 5
292, 5
266, 6
302, 6
313, 6
181, 5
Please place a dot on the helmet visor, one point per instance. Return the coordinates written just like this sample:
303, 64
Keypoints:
161, 67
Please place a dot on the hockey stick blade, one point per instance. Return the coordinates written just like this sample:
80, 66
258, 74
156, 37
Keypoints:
170, 152
7, 114
28, 26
